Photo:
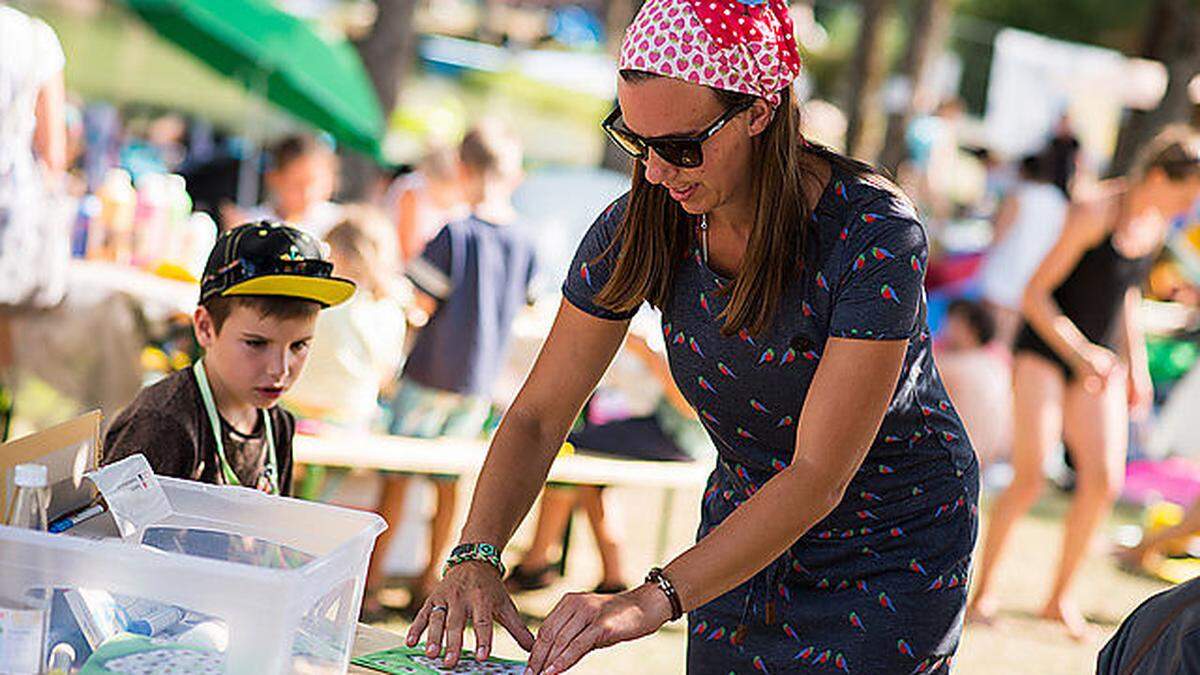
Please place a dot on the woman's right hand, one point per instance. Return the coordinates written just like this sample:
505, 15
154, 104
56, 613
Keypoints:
469, 591
1094, 365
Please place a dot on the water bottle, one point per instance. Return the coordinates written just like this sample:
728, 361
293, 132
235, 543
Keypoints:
62, 658
118, 200
23, 623
33, 498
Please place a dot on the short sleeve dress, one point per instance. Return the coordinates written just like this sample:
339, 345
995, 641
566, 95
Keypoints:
879, 585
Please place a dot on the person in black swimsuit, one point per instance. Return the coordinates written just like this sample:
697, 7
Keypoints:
1080, 361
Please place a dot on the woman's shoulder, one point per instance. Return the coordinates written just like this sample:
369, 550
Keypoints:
615, 211
871, 194
604, 227
1092, 212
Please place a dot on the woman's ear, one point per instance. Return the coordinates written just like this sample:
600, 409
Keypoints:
760, 116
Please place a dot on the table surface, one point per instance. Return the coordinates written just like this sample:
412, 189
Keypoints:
465, 457
369, 639
158, 294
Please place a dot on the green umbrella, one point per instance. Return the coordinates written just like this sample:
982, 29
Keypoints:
277, 55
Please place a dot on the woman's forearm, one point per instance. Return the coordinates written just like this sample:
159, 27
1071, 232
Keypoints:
757, 532
1048, 320
512, 476
1135, 337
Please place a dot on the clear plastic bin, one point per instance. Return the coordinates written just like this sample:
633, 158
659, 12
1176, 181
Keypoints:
281, 579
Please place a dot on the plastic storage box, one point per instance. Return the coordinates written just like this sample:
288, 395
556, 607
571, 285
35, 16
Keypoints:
282, 578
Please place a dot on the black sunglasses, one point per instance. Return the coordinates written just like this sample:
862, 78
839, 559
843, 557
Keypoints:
682, 151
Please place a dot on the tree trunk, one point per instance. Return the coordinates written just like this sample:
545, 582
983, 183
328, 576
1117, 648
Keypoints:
387, 52
1173, 37
927, 35
618, 14
866, 75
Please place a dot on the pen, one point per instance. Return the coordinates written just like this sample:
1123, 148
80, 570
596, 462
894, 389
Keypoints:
67, 522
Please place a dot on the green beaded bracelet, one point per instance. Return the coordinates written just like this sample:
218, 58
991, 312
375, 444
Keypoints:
480, 552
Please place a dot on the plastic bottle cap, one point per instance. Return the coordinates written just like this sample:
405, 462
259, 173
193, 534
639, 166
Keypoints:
30, 475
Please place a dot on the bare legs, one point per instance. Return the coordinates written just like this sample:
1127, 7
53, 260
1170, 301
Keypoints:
557, 505
1037, 408
1094, 423
439, 535
1096, 427
391, 507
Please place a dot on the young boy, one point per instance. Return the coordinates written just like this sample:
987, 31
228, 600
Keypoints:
217, 422
300, 183
471, 279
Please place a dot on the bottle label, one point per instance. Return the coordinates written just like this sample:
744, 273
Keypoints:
22, 635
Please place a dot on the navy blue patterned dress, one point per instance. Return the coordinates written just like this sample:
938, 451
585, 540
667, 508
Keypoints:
878, 586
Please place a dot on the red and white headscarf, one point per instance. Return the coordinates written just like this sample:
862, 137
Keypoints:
748, 46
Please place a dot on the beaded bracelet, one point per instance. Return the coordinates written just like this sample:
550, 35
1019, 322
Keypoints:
474, 552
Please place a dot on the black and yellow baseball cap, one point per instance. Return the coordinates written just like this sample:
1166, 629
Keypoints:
271, 258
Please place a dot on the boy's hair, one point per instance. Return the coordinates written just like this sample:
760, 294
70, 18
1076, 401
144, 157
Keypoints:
439, 163
1033, 168
490, 149
277, 307
295, 146
364, 233
976, 316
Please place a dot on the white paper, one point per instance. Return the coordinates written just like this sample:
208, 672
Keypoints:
135, 498
22, 635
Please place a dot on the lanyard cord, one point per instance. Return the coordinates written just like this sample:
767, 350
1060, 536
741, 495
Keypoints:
210, 407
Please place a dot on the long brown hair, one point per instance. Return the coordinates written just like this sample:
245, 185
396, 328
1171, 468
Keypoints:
656, 232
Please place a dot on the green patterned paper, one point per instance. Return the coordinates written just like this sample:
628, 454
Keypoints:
412, 661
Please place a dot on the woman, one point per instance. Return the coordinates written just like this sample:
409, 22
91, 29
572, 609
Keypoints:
837, 527
1069, 383
32, 162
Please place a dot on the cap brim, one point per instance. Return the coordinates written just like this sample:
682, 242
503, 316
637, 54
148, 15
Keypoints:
328, 291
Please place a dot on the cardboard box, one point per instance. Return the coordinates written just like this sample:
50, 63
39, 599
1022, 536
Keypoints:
68, 450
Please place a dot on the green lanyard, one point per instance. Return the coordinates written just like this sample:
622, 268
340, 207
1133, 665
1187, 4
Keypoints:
214, 418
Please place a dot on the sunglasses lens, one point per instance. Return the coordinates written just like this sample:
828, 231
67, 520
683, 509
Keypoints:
686, 154
632, 146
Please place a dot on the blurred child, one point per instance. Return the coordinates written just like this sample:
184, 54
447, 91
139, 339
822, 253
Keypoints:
422, 201
653, 422
472, 280
975, 371
217, 422
1158, 543
359, 345
300, 184
1026, 226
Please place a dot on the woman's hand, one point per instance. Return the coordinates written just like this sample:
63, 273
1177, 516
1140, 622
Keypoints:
469, 591
1141, 393
1095, 365
582, 622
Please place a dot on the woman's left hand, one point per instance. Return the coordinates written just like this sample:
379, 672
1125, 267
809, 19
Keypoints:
1141, 394
582, 622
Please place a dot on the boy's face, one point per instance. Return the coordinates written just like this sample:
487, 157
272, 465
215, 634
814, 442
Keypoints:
303, 182
256, 358
958, 333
